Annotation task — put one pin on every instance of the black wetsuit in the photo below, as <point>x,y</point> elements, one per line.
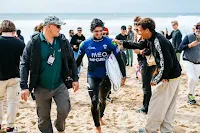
<point>99,84</point>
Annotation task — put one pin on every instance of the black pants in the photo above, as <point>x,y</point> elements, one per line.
<point>147,72</point>
<point>98,90</point>
<point>123,55</point>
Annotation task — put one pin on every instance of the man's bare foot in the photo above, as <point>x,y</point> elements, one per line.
<point>98,129</point>
<point>101,122</point>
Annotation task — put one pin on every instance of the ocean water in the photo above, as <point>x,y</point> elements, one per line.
<point>26,22</point>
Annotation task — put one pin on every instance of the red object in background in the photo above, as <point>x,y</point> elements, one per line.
<point>106,29</point>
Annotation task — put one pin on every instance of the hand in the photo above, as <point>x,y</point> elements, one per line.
<point>165,80</point>
<point>152,84</point>
<point>137,51</point>
<point>193,44</point>
<point>123,81</point>
<point>166,31</point>
<point>117,41</point>
<point>25,94</point>
<point>75,46</point>
<point>75,86</point>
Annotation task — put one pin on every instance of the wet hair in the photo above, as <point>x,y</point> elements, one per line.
<point>136,20</point>
<point>18,32</point>
<point>7,26</point>
<point>147,23</point>
<point>96,23</point>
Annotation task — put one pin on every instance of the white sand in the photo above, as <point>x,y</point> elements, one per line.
<point>120,116</point>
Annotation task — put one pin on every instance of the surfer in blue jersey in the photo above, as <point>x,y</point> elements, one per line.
<point>98,48</point>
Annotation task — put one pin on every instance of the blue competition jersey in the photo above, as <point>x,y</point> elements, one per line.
<point>97,52</point>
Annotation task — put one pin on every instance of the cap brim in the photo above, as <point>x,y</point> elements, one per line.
<point>61,23</point>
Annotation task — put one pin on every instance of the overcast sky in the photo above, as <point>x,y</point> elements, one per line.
<point>100,6</point>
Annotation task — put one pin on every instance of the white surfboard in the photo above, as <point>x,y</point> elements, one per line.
<point>113,71</point>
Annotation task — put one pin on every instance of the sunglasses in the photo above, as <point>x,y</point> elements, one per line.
<point>57,26</point>
<point>105,34</point>
<point>198,27</point>
<point>79,30</point>
<point>96,31</point>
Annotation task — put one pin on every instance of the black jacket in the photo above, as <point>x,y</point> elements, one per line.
<point>31,61</point>
<point>165,56</point>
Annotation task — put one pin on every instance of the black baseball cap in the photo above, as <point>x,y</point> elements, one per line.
<point>123,27</point>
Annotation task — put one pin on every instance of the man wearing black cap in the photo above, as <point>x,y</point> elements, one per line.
<point>122,37</point>
<point>76,41</point>
<point>49,58</point>
<point>191,60</point>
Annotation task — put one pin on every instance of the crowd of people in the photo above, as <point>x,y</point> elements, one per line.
<point>51,64</point>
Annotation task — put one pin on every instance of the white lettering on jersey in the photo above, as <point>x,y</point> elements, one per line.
<point>97,57</point>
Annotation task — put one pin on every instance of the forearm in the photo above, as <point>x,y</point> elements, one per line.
<point>79,60</point>
<point>133,45</point>
<point>121,64</point>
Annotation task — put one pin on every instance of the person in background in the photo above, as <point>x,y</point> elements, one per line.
<point>11,50</point>
<point>18,32</point>
<point>129,52</point>
<point>48,58</point>
<point>40,27</point>
<point>176,37</point>
<point>147,69</point>
<point>123,36</point>
<point>37,29</point>
<point>75,42</point>
<point>191,60</point>
<point>194,28</point>
<point>71,34</point>
<point>105,32</point>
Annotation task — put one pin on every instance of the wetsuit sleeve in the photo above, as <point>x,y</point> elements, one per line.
<point>116,52</point>
<point>169,36</point>
<point>81,54</point>
<point>184,44</point>
<point>134,45</point>
<point>25,66</point>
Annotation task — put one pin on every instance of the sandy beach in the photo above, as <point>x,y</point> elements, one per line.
<point>120,115</point>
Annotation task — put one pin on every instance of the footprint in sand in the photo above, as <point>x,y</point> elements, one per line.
<point>33,123</point>
<point>179,130</point>
<point>18,114</point>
